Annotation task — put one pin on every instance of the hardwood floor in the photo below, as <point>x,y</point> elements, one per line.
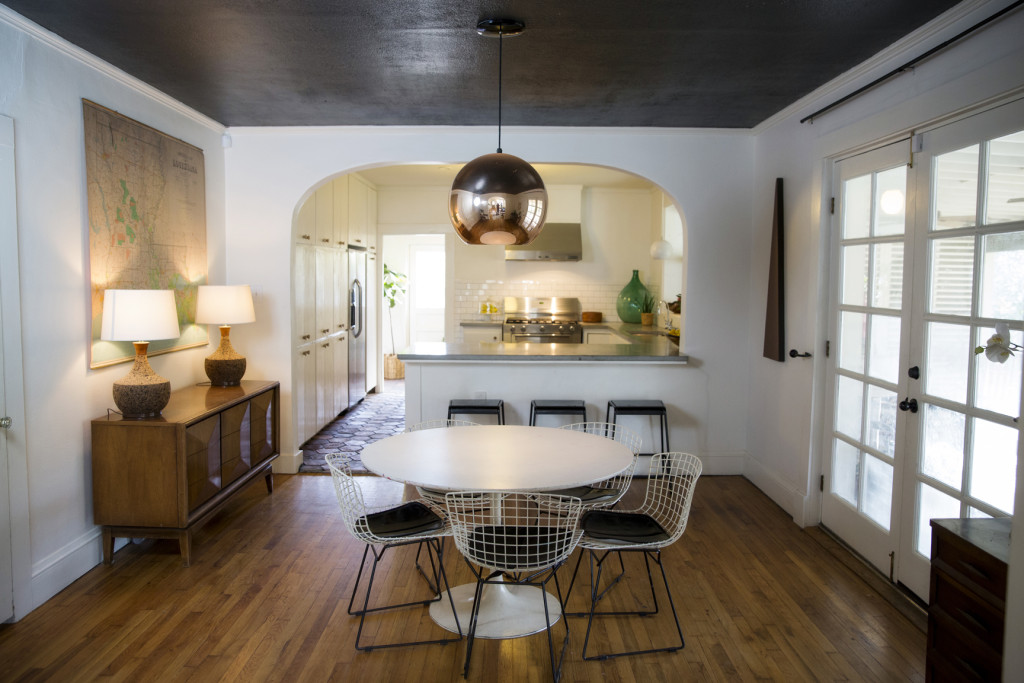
<point>265,600</point>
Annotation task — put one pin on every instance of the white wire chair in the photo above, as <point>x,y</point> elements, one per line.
<point>433,495</point>
<point>510,542</point>
<point>383,527</point>
<point>656,524</point>
<point>606,493</point>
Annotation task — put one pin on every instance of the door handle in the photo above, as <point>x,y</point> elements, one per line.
<point>6,422</point>
<point>909,404</point>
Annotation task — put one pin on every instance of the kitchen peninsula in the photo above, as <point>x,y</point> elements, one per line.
<point>649,367</point>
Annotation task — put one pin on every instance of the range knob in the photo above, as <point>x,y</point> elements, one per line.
<point>540,329</point>
<point>561,328</point>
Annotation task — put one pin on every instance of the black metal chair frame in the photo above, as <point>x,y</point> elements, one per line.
<point>661,412</point>
<point>465,407</point>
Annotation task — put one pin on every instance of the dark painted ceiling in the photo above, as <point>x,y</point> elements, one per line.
<point>714,63</point>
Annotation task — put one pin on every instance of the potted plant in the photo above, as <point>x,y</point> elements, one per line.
<point>394,288</point>
<point>647,305</point>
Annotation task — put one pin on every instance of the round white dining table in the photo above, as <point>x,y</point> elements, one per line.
<point>497,458</point>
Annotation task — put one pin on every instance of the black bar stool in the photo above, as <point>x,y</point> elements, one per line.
<point>477,406</point>
<point>557,407</point>
<point>640,407</point>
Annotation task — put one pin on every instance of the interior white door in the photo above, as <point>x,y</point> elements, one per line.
<point>8,228</point>
<point>970,242</point>
<point>870,304</point>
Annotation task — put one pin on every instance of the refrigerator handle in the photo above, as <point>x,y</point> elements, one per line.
<point>355,308</point>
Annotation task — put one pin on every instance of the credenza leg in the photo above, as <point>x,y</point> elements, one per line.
<point>270,481</point>
<point>108,546</point>
<point>185,545</point>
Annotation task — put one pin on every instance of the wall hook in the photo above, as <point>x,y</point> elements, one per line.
<point>793,353</point>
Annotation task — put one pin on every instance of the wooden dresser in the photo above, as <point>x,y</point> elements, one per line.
<point>967,600</point>
<point>162,477</point>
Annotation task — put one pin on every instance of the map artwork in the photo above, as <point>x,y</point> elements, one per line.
<point>147,223</point>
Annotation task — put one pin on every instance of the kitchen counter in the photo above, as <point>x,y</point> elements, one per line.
<point>639,343</point>
<point>648,349</point>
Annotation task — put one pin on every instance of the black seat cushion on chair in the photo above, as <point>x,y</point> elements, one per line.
<point>522,547</point>
<point>622,527</point>
<point>405,520</point>
<point>587,494</point>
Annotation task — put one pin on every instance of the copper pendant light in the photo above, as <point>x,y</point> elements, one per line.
<point>498,198</point>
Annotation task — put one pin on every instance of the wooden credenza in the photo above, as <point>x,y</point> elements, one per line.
<point>967,600</point>
<point>162,477</point>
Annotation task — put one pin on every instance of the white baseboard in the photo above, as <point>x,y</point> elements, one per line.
<point>785,496</point>
<point>60,569</point>
<point>288,464</point>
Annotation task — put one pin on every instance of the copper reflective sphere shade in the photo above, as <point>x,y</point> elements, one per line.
<point>498,198</point>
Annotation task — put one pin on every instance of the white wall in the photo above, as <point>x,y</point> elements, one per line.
<point>784,437</point>
<point>42,83</point>
<point>271,171</point>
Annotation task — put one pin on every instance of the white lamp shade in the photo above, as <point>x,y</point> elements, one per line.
<point>224,305</point>
<point>139,315</point>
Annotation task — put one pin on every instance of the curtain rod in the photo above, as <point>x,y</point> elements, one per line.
<point>912,62</point>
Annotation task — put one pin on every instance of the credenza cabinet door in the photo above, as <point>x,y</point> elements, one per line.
<point>235,448</point>
<point>263,431</point>
<point>202,460</point>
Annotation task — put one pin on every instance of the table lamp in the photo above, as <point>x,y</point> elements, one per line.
<point>225,305</point>
<point>133,315</point>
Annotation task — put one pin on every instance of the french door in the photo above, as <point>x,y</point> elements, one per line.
<point>928,258</point>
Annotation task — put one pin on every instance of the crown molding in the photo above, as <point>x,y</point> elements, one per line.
<point>50,39</point>
<point>910,46</point>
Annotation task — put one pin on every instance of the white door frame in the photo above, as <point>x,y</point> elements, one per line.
<point>13,380</point>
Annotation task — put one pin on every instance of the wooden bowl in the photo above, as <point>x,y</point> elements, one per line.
<point>591,316</point>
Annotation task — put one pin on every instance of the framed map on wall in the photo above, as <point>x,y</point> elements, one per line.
<point>147,223</point>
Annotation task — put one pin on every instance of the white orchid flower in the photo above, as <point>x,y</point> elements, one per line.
<point>999,347</point>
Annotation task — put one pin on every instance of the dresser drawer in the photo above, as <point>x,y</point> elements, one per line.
<point>951,601</point>
<point>976,569</point>
<point>952,656</point>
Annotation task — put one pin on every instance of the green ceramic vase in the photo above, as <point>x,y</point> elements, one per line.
<point>631,300</point>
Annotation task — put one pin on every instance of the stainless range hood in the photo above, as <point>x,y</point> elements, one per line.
<point>556,242</point>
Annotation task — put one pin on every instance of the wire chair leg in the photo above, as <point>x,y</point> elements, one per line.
<point>473,614</point>
<point>367,610</point>
<point>600,563</point>
<point>668,591</point>
<point>359,576</point>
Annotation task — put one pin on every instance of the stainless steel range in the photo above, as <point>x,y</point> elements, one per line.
<point>543,320</point>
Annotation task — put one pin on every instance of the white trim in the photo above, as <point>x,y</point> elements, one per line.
<point>14,385</point>
<point>794,502</point>
<point>54,41</point>
<point>288,464</point>
<point>66,565</point>
<point>943,27</point>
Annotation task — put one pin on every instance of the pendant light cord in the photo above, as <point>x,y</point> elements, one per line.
<point>499,89</point>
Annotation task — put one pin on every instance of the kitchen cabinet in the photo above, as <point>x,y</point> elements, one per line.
<point>324,292</point>
<point>372,306</point>
<point>339,344</point>
<point>340,188</point>
<point>304,392</point>
<point>340,285</point>
<point>305,223</point>
<point>474,334</point>
<point>358,216</point>
<point>162,477</point>
<point>325,378</point>
<point>304,308</point>
<point>323,200</point>
<point>967,599</point>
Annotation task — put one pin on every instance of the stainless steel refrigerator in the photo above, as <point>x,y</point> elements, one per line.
<point>356,326</point>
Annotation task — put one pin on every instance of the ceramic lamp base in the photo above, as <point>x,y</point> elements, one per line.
<point>141,393</point>
<point>225,366</point>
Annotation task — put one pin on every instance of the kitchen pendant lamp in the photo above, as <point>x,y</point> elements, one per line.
<point>498,198</point>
